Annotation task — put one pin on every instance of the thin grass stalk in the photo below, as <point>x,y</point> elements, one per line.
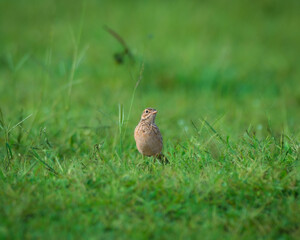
<point>121,123</point>
<point>133,95</point>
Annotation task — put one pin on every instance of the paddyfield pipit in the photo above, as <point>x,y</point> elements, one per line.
<point>147,136</point>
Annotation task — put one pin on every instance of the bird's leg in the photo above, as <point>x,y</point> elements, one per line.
<point>163,159</point>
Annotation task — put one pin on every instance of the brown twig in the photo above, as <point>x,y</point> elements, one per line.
<point>121,41</point>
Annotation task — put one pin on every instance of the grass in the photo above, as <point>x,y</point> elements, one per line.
<point>225,80</point>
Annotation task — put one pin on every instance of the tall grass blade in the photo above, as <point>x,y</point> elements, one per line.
<point>19,123</point>
<point>213,130</point>
<point>48,167</point>
<point>133,95</point>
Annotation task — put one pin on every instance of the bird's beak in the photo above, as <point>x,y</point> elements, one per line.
<point>154,112</point>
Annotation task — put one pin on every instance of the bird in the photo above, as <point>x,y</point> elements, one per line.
<point>148,138</point>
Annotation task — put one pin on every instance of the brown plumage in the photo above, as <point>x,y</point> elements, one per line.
<point>147,136</point>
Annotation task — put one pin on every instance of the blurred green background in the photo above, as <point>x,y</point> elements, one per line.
<point>233,63</point>
<point>236,60</point>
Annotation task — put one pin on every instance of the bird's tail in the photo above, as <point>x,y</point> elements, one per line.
<point>163,159</point>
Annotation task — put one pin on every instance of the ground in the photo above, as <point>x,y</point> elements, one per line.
<point>224,77</point>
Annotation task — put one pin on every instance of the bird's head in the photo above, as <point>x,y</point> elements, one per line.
<point>149,115</point>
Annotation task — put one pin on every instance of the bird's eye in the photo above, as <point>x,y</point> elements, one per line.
<point>146,111</point>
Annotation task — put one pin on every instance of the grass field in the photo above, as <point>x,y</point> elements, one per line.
<point>224,76</point>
